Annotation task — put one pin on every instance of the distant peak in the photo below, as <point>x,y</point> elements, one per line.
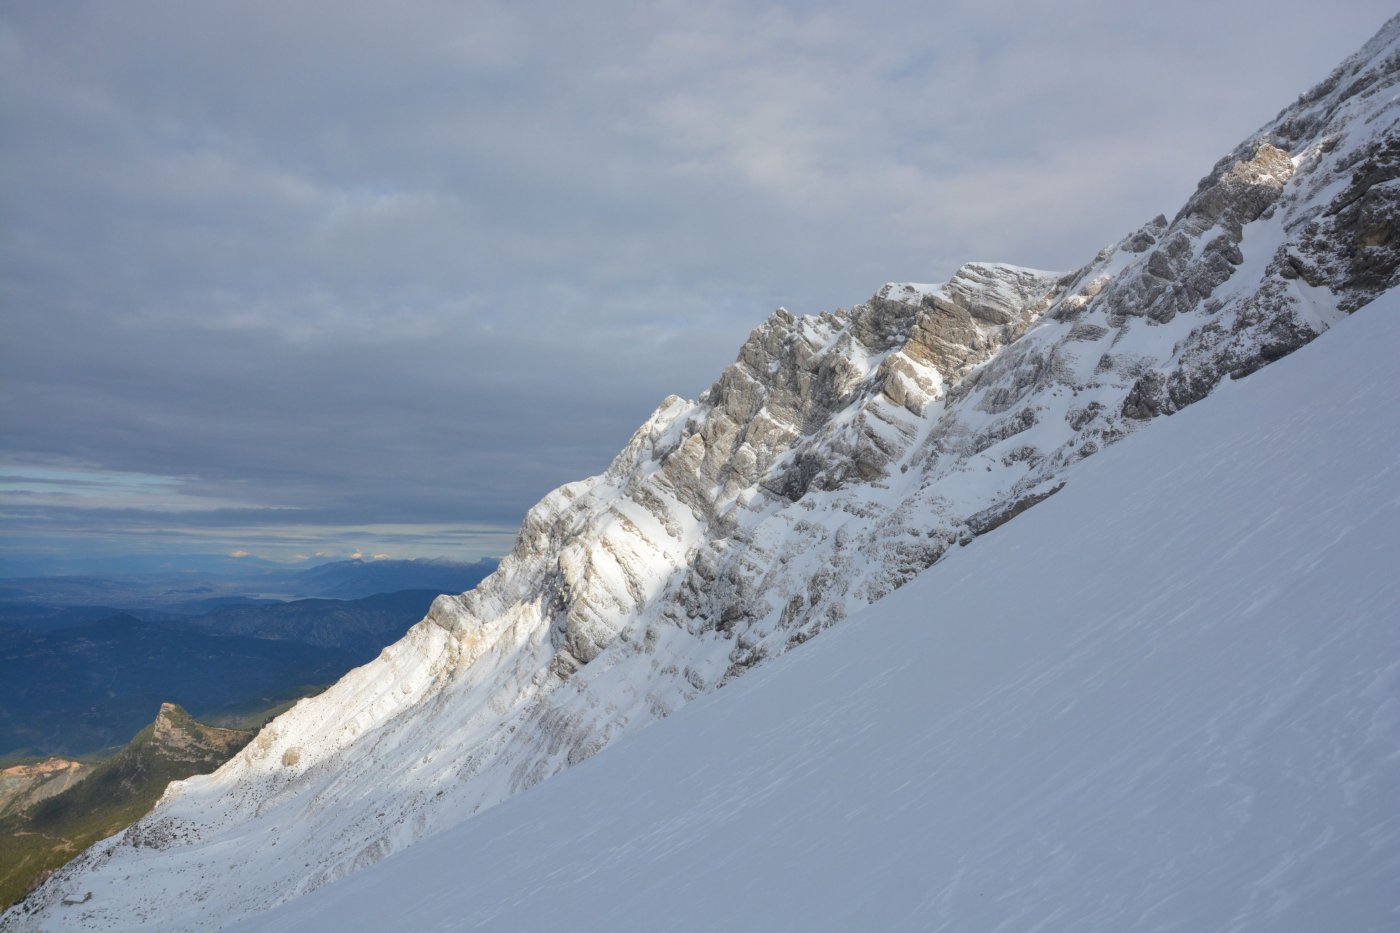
<point>181,734</point>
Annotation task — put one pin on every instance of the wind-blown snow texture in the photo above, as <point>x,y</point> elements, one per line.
<point>838,459</point>
<point>1167,698</point>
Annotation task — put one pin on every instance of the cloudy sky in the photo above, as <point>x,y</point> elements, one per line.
<point>315,278</point>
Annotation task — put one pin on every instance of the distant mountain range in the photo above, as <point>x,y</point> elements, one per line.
<point>192,592</point>
<point>135,564</point>
<point>353,579</point>
<point>83,659</point>
<point>81,689</point>
<point>219,566</point>
<point>76,688</point>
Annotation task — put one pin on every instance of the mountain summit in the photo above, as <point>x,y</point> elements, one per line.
<point>839,458</point>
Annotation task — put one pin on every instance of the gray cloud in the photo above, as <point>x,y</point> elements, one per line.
<point>416,266</point>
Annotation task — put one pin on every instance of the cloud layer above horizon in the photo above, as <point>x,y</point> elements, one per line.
<point>289,278</point>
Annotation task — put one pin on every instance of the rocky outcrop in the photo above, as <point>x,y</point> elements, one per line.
<point>837,458</point>
<point>24,785</point>
<point>179,736</point>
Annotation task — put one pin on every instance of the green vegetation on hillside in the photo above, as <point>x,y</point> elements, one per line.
<point>38,841</point>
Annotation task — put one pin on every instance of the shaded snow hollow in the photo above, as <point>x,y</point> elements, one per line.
<point>1167,697</point>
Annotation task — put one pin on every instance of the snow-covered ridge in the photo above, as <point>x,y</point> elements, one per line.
<point>839,457</point>
<point>1195,731</point>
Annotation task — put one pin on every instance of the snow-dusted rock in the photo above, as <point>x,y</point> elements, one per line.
<point>1175,711</point>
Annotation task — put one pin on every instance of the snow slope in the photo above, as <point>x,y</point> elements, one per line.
<point>1166,698</point>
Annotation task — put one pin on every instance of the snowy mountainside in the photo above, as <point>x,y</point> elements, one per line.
<point>1184,716</point>
<point>836,460</point>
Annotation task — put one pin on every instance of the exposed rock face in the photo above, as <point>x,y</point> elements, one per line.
<point>24,785</point>
<point>836,459</point>
<point>180,736</point>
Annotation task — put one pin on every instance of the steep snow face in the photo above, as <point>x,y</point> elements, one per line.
<point>1183,715</point>
<point>837,459</point>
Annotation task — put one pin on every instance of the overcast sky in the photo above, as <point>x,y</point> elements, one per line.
<point>321,278</point>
